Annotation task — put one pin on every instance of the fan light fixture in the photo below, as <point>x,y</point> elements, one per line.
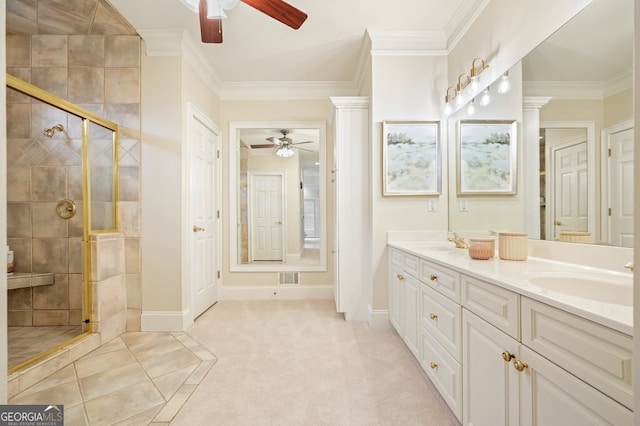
<point>284,151</point>
<point>215,8</point>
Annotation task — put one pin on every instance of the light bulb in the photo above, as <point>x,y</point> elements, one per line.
<point>447,109</point>
<point>471,109</point>
<point>474,84</point>
<point>485,99</point>
<point>459,101</point>
<point>504,86</point>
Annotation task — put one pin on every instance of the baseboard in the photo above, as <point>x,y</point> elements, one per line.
<point>379,319</point>
<point>282,292</point>
<point>165,320</point>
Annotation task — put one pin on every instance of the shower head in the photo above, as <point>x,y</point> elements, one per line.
<point>51,131</point>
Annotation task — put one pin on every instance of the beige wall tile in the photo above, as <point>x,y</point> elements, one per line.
<point>19,220</point>
<point>86,85</point>
<point>50,255</point>
<point>20,318</point>
<point>122,51</point>
<point>134,296</point>
<point>13,96</point>
<point>132,255</point>
<point>86,50</point>
<point>75,317</point>
<point>45,116</point>
<point>129,218</point>
<point>18,51</point>
<point>76,222</point>
<point>51,317</point>
<point>22,253</point>
<point>126,115</point>
<point>49,51</point>
<point>113,327</point>
<point>53,80</point>
<point>75,256</point>
<point>46,222</point>
<point>74,184</point>
<point>18,121</point>
<point>76,286</point>
<point>18,184</point>
<point>134,317</point>
<point>129,152</point>
<point>129,184</point>
<point>122,85</point>
<point>109,258</point>
<point>54,296</point>
<point>113,297</point>
<point>48,183</point>
<point>19,299</point>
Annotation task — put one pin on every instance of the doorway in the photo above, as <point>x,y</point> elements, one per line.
<point>266,221</point>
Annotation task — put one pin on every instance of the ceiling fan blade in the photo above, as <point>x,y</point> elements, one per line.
<point>298,143</point>
<point>263,145</point>
<point>279,10</point>
<point>210,29</point>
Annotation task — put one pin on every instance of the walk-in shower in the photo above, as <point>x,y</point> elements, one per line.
<point>61,189</point>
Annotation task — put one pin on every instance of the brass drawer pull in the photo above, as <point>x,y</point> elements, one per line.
<point>433,365</point>
<point>433,277</point>
<point>507,356</point>
<point>519,365</point>
<point>400,277</point>
<point>433,316</point>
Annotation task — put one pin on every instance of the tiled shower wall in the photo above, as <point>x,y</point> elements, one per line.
<point>100,73</point>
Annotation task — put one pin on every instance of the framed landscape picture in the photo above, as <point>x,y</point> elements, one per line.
<point>486,157</point>
<point>411,157</point>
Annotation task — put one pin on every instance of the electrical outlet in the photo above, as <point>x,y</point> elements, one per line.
<point>432,205</point>
<point>463,205</point>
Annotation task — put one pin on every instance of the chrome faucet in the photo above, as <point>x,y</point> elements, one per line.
<point>458,241</point>
<point>629,266</point>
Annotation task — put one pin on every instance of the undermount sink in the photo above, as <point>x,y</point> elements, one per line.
<point>600,287</point>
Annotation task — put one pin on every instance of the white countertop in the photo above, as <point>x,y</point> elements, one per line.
<point>513,275</point>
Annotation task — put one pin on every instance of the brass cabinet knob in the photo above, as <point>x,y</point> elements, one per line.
<point>507,356</point>
<point>433,316</point>
<point>557,223</point>
<point>400,277</point>
<point>433,277</point>
<point>279,222</point>
<point>197,228</point>
<point>519,365</point>
<point>433,365</point>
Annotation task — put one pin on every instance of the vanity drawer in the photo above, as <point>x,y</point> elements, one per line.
<point>596,354</point>
<point>396,256</point>
<point>411,264</point>
<point>444,372</point>
<point>441,279</point>
<point>442,318</point>
<point>498,306</point>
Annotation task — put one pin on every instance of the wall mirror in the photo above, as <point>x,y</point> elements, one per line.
<point>278,196</point>
<point>582,75</point>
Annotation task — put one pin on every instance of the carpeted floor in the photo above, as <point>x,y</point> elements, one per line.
<point>300,363</point>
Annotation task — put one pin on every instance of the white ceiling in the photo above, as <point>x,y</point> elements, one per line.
<point>326,48</point>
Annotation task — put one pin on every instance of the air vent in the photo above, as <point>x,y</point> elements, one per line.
<point>288,278</point>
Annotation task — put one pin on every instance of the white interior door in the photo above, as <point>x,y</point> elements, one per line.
<point>570,182</point>
<point>204,227</point>
<point>266,217</point>
<point>621,188</point>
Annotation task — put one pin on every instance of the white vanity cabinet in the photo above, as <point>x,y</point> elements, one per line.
<point>403,297</point>
<point>506,382</point>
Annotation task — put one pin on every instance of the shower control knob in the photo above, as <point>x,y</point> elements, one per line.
<point>66,209</point>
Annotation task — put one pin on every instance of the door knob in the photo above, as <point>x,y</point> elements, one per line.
<point>279,222</point>
<point>197,228</point>
<point>557,223</point>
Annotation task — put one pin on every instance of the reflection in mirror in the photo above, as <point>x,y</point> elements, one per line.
<point>278,182</point>
<point>581,80</point>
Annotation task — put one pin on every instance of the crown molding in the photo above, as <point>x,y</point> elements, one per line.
<point>462,19</point>
<point>579,89</point>
<point>619,83</point>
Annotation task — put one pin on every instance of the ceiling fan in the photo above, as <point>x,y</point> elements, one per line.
<point>212,12</point>
<point>284,144</point>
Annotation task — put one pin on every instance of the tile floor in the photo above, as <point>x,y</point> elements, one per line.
<point>26,342</point>
<point>136,379</point>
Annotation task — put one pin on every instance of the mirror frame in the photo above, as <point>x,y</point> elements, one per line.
<point>234,159</point>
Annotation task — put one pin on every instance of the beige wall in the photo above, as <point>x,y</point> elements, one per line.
<point>403,88</point>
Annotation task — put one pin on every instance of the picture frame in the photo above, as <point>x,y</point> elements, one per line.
<point>486,152</point>
<point>411,158</point>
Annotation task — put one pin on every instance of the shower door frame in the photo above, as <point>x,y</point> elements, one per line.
<point>87,117</point>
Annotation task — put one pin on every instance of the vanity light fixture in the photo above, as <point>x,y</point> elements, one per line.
<point>504,85</point>
<point>447,100</point>
<point>478,65</point>
<point>460,86</point>
<point>485,99</point>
